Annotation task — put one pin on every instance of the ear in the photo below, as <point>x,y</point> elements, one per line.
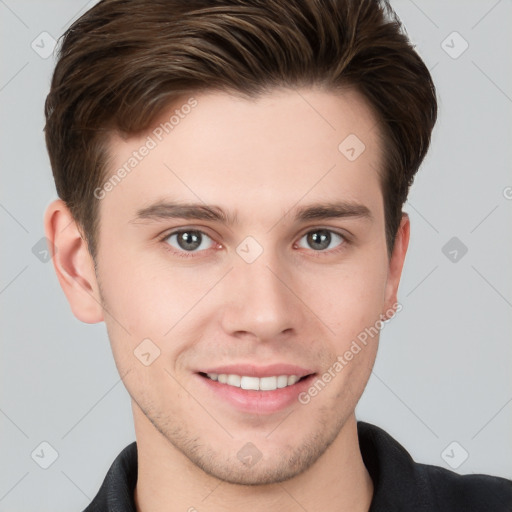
<point>73,263</point>
<point>396,262</point>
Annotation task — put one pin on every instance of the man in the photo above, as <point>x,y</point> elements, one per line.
<point>231,179</point>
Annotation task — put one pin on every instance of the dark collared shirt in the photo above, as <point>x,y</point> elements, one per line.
<point>400,484</point>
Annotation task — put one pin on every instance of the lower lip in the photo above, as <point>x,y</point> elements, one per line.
<point>258,402</point>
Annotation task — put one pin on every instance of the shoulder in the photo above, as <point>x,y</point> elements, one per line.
<point>402,484</point>
<point>475,493</point>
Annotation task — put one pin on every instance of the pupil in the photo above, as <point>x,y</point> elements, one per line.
<point>189,240</point>
<point>321,239</point>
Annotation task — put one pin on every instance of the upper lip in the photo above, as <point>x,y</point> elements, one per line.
<point>251,370</point>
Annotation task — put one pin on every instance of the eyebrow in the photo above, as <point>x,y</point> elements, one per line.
<point>163,210</point>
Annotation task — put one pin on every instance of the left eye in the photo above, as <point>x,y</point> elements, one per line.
<point>321,239</point>
<point>189,240</point>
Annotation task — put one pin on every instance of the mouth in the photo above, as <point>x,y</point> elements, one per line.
<point>270,383</point>
<point>253,391</point>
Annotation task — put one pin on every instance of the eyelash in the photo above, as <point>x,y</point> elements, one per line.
<point>191,254</point>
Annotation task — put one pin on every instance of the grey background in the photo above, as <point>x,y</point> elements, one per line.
<point>443,369</point>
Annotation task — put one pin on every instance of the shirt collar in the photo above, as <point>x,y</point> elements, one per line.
<point>399,482</point>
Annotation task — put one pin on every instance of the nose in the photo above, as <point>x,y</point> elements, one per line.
<point>261,301</point>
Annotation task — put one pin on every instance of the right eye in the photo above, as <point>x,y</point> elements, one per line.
<point>189,240</point>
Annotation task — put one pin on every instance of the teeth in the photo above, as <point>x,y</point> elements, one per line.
<point>268,383</point>
<point>282,381</point>
<point>255,383</point>
<point>250,383</point>
<point>292,379</point>
<point>234,380</point>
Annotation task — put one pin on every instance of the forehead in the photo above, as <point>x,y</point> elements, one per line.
<point>282,148</point>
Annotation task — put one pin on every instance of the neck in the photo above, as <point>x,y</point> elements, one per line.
<point>168,481</point>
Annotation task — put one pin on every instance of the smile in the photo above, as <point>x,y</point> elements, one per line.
<point>255,383</point>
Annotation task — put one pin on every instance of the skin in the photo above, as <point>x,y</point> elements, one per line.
<point>261,160</point>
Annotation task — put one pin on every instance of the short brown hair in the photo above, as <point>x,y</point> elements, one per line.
<point>124,61</point>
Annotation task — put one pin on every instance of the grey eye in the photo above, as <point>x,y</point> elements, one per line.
<point>321,239</point>
<point>189,240</point>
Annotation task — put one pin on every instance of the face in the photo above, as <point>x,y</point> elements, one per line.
<point>246,249</point>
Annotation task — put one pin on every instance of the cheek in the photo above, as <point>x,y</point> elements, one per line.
<point>352,307</point>
<point>147,296</point>
<point>351,298</point>
<point>149,300</point>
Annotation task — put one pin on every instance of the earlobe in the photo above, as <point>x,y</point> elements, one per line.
<point>396,263</point>
<point>73,263</point>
